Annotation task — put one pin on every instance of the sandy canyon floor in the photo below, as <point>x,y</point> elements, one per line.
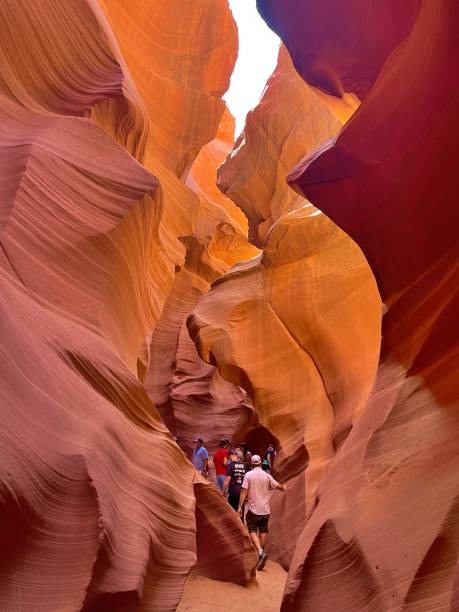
<point>263,593</point>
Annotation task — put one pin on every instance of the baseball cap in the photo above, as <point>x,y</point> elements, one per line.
<point>198,440</point>
<point>256,459</point>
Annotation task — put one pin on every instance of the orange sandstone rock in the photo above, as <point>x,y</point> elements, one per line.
<point>271,143</point>
<point>384,535</point>
<point>100,508</point>
<point>298,327</point>
<point>181,67</point>
<point>191,396</point>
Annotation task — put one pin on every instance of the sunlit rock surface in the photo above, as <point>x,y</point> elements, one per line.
<point>384,535</point>
<point>100,509</point>
<point>298,327</point>
<point>192,397</point>
<point>254,174</point>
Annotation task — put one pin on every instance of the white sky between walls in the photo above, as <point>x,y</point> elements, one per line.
<point>257,57</point>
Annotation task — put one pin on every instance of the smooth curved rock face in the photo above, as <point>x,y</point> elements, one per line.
<point>264,328</point>
<point>100,508</point>
<point>177,63</point>
<point>340,47</point>
<point>219,226</point>
<point>384,535</point>
<point>181,67</point>
<point>191,396</point>
<point>382,528</point>
<point>298,327</point>
<point>254,174</point>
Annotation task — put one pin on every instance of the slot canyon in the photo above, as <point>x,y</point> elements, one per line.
<point>165,277</point>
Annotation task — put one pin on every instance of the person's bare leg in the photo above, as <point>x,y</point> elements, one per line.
<point>263,537</point>
<point>262,556</point>
<point>255,541</point>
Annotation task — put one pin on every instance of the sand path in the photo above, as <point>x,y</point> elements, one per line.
<point>263,594</point>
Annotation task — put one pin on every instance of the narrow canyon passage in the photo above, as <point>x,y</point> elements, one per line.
<point>170,272</point>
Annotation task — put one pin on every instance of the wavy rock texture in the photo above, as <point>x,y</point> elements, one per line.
<point>112,231</point>
<point>100,509</point>
<point>192,397</point>
<point>298,327</point>
<point>181,68</point>
<point>384,535</point>
<point>382,530</point>
<point>347,43</point>
<point>255,179</point>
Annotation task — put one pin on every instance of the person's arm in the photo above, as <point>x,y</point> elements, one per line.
<point>206,461</point>
<point>242,501</point>
<point>244,491</point>
<point>229,474</point>
<point>273,484</point>
<point>226,485</point>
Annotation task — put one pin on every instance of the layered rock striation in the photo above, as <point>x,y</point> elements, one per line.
<point>382,517</point>
<point>191,396</point>
<point>101,510</point>
<point>389,181</point>
<point>298,327</point>
<point>126,276</point>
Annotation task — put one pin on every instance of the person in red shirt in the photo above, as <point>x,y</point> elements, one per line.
<point>220,461</point>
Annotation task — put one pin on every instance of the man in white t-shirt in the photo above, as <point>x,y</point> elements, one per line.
<point>255,487</point>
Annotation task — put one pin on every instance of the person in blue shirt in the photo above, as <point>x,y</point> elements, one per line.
<point>200,458</point>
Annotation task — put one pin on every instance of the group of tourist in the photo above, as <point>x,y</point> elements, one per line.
<point>245,479</point>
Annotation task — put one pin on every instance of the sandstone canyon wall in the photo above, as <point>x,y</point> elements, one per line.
<point>331,332</point>
<point>370,453</point>
<point>103,112</point>
<point>191,396</point>
<point>299,326</point>
<point>393,168</point>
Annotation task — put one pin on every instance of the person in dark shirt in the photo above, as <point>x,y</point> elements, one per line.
<point>235,472</point>
<point>247,455</point>
<point>268,459</point>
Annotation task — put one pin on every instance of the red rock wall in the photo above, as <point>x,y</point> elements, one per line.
<point>100,509</point>
<point>382,521</point>
<point>298,327</point>
<point>112,231</point>
<point>384,535</point>
<point>340,47</point>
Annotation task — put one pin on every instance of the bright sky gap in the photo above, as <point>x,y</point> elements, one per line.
<point>258,49</point>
